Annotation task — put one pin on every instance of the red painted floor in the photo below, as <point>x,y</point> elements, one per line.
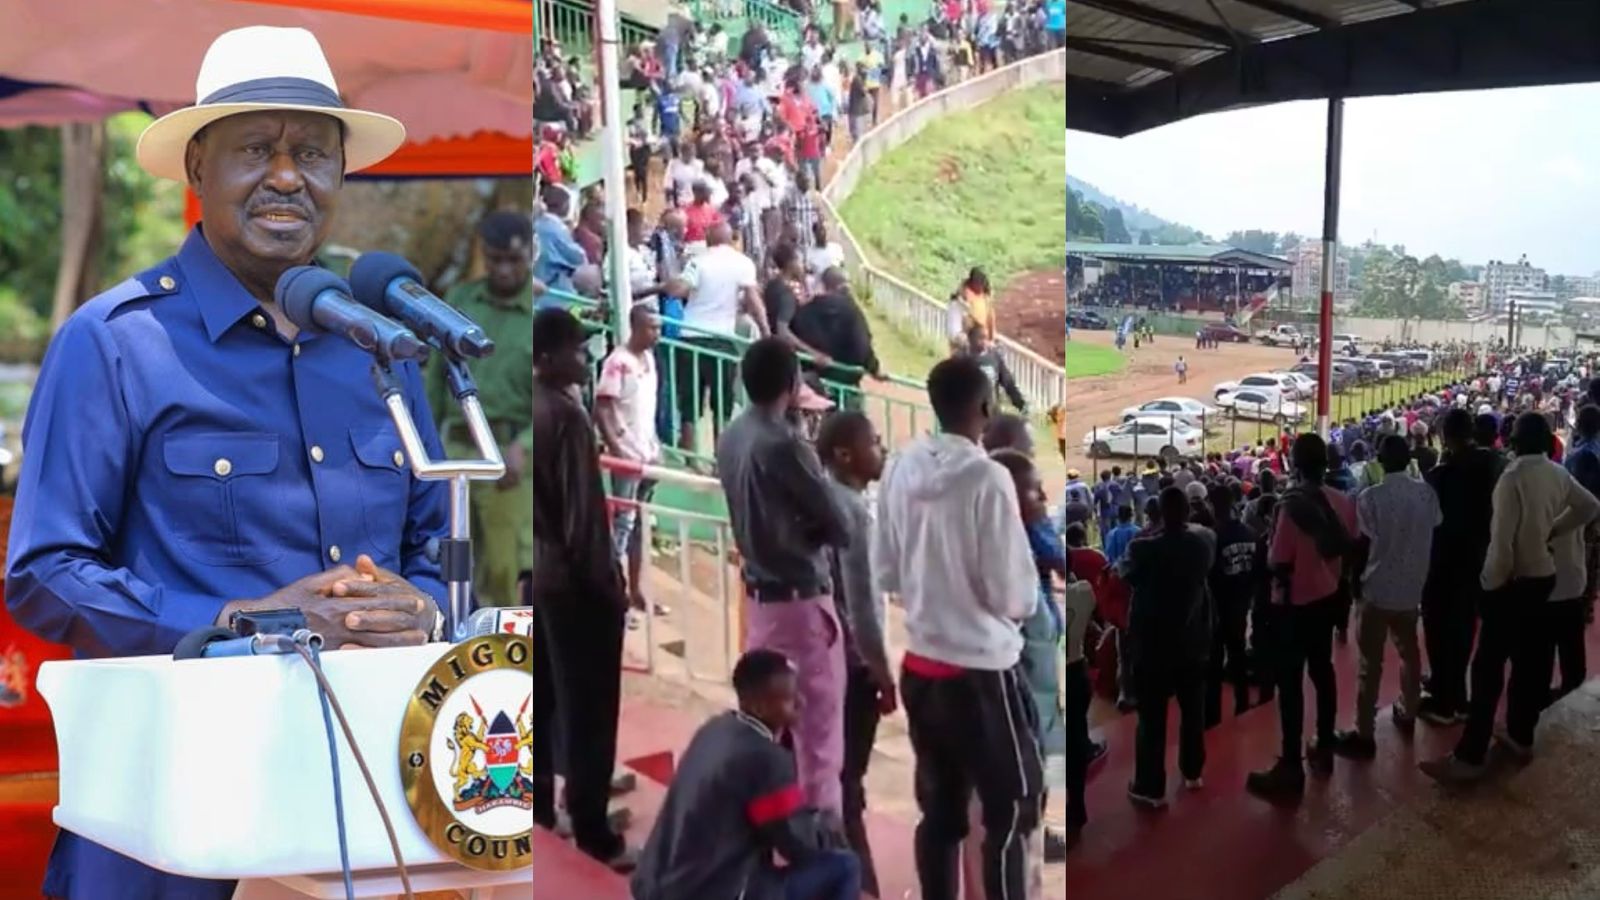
<point>561,873</point>
<point>1221,843</point>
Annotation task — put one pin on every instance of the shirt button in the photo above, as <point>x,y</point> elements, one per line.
<point>258,320</point>
<point>222,467</point>
<point>316,453</point>
<point>296,350</point>
<point>333,553</point>
<point>399,459</point>
<point>168,283</point>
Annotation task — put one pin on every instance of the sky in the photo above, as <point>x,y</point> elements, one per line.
<point>1475,175</point>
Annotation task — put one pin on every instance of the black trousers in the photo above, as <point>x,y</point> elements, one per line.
<point>1159,683</point>
<point>1565,622</point>
<point>976,731</point>
<point>1449,620</point>
<point>577,691</point>
<point>1510,633</point>
<point>1302,639</point>
<point>1077,694</point>
<point>861,719</point>
<point>1228,660</point>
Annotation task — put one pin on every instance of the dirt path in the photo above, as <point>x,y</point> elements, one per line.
<point>1032,311</point>
<point>1099,401</point>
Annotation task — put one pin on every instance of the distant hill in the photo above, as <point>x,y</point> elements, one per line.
<point>1137,219</point>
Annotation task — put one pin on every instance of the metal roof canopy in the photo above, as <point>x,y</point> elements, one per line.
<point>1133,65</point>
<point>1182,255</point>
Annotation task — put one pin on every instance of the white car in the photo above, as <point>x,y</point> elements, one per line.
<point>1145,438</point>
<point>1308,385</point>
<point>1182,409</point>
<point>1277,382</point>
<point>1262,405</point>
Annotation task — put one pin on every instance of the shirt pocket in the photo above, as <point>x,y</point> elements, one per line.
<point>385,486</point>
<point>224,489</point>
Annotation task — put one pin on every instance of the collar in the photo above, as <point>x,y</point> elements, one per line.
<point>755,723</point>
<point>222,299</point>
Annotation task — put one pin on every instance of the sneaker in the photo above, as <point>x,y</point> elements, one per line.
<point>1057,842</point>
<point>623,782</point>
<point>1520,753</point>
<point>1193,784</point>
<point>1126,705</point>
<point>1148,801</point>
<point>1319,759</point>
<point>1452,770</point>
<point>1286,780</point>
<point>1354,745</point>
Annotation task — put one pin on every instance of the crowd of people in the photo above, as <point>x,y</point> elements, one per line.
<point>1170,287</point>
<point>1470,509</point>
<point>740,313</point>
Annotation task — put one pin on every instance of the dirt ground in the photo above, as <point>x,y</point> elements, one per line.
<point>1032,311</point>
<point>1098,401</point>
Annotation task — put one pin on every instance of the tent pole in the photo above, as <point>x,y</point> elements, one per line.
<point>1330,249</point>
<point>612,137</point>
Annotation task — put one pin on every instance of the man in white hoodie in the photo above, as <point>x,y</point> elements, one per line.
<point>951,543</point>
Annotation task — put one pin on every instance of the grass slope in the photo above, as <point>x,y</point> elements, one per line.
<point>984,187</point>
<point>1089,360</point>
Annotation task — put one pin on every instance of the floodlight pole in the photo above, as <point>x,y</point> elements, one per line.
<point>612,137</point>
<point>1330,250</point>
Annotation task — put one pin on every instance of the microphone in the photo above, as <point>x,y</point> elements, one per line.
<point>217,642</point>
<point>388,284</point>
<point>318,300</point>
<point>497,620</point>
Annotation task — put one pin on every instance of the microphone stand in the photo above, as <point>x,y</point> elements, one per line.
<point>455,551</point>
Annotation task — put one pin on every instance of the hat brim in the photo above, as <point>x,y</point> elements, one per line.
<point>369,139</point>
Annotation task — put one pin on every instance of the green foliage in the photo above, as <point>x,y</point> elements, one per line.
<point>143,217</point>
<point>1396,284</point>
<point>982,187</point>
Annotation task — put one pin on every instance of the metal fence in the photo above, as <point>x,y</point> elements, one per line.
<point>572,23</point>
<point>704,365</point>
<point>1041,381</point>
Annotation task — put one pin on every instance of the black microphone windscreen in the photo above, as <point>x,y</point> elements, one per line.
<point>297,293</point>
<point>372,274</point>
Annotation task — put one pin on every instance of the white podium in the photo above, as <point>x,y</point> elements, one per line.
<point>218,768</point>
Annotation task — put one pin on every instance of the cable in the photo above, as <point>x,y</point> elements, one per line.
<point>361,762</point>
<point>338,789</point>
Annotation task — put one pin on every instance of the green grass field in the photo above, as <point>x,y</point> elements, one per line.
<point>1089,360</point>
<point>984,187</point>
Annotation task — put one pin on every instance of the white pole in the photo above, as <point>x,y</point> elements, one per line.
<point>612,137</point>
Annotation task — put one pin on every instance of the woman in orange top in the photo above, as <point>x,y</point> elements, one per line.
<point>980,303</point>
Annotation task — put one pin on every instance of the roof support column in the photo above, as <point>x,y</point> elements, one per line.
<point>1330,250</point>
<point>612,136</point>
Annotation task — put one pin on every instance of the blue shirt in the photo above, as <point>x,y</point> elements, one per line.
<point>560,255</point>
<point>669,113</point>
<point>179,454</point>
<point>822,98</point>
<point>1116,542</point>
<point>1055,15</point>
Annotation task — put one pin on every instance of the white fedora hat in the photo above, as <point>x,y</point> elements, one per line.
<point>265,68</point>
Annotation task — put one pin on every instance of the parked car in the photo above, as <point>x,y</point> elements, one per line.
<point>1153,437</point>
<point>1087,320</point>
<point>1262,406</point>
<point>1367,369</point>
<point>1182,409</point>
<point>1308,385</point>
<point>1224,333</point>
<point>1378,369</point>
<point>1344,375</point>
<point>1281,336</point>
<point>1278,382</point>
<point>1403,363</point>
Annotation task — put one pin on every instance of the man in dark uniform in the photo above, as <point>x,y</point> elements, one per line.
<point>502,304</point>
<point>187,446</point>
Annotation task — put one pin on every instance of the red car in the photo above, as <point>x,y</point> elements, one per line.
<point>1223,333</point>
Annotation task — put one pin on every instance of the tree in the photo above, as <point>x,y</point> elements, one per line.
<point>1254,240</point>
<point>1116,231</point>
<point>1084,219</point>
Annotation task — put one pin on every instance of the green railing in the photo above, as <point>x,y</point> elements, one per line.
<point>572,23</point>
<point>711,362</point>
<point>783,25</point>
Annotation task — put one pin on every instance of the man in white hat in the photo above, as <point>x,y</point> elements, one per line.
<point>189,454</point>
